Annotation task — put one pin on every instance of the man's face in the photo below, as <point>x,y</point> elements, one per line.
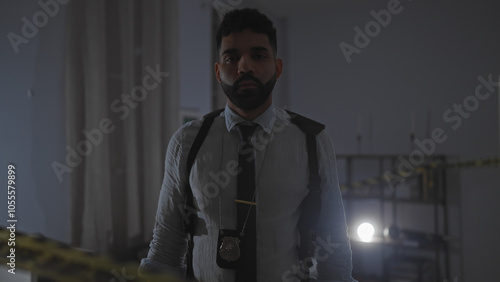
<point>247,69</point>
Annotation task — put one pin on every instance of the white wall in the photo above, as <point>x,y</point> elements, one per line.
<point>33,129</point>
<point>480,208</point>
<point>426,59</point>
<point>196,69</point>
<point>416,64</point>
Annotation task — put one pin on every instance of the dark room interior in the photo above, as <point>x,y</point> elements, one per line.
<point>93,90</point>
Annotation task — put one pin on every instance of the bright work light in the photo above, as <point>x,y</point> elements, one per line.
<point>365,232</point>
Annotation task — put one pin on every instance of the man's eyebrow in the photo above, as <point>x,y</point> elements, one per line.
<point>259,48</point>
<point>230,51</point>
<point>254,49</point>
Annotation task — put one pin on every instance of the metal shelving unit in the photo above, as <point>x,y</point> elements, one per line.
<point>425,188</point>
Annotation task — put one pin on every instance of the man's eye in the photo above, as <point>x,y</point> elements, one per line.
<point>260,56</point>
<point>230,59</point>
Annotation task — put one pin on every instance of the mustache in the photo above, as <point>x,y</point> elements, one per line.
<point>246,77</point>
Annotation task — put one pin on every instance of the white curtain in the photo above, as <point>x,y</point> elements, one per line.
<point>122,108</point>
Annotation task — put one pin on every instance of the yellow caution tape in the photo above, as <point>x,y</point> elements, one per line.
<point>61,262</point>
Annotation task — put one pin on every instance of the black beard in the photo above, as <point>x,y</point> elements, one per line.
<point>249,99</point>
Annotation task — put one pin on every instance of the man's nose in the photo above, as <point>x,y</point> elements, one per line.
<point>245,65</point>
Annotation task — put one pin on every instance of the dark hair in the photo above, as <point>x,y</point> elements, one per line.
<point>241,19</point>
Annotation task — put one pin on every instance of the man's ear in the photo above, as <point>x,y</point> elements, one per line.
<point>217,71</point>
<point>279,66</point>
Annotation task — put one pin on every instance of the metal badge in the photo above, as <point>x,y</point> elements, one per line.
<point>230,248</point>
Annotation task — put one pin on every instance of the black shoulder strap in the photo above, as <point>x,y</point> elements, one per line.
<point>311,128</point>
<point>311,205</point>
<point>307,125</point>
<point>189,222</point>
<point>208,119</point>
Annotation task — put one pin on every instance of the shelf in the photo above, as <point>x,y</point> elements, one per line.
<point>386,156</point>
<point>390,199</point>
<point>398,243</point>
<point>425,187</point>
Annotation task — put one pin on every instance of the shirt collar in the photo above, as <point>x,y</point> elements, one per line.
<point>265,120</point>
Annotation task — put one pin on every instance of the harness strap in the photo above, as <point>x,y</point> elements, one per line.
<point>189,227</point>
<point>311,205</point>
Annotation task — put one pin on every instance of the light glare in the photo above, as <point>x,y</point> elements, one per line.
<point>365,232</point>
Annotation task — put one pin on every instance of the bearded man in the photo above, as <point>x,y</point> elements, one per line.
<point>259,176</point>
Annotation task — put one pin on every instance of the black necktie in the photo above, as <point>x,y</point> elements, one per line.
<point>247,268</point>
